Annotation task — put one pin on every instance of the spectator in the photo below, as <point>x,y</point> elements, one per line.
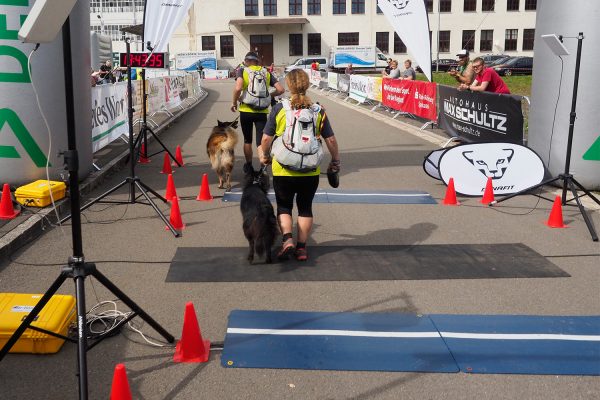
<point>201,70</point>
<point>464,72</point>
<point>409,73</point>
<point>486,79</point>
<point>94,76</point>
<point>387,69</point>
<point>394,71</point>
<point>314,66</point>
<point>289,184</point>
<point>106,73</point>
<point>251,116</point>
<point>349,70</point>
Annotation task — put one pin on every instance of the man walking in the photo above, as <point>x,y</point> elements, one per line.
<point>252,92</point>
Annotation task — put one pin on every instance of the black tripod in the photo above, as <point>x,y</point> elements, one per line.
<point>569,182</point>
<point>77,268</point>
<point>132,180</point>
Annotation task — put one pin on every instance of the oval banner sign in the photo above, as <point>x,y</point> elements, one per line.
<point>512,168</point>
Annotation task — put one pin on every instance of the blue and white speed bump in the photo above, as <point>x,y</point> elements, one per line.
<point>334,341</point>
<point>410,343</point>
<point>353,196</point>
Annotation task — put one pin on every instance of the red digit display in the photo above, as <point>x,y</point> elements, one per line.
<point>144,60</point>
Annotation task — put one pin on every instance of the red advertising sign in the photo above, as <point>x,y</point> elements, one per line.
<point>414,97</point>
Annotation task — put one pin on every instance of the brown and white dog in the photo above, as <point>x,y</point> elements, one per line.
<point>220,148</point>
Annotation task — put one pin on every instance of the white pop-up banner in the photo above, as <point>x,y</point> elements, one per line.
<point>409,20</point>
<point>161,18</point>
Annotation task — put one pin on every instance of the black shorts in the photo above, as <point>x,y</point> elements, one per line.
<point>248,120</point>
<point>303,187</point>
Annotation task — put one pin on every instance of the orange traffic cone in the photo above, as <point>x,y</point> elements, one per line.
<point>191,347</point>
<point>171,191</point>
<point>166,165</point>
<point>204,190</point>
<point>450,199</point>
<point>556,217</point>
<point>6,206</point>
<point>175,217</point>
<point>178,157</point>
<point>143,155</point>
<point>120,386</point>
<point>488,194</point>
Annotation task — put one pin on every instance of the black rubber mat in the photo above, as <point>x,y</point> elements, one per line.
<point>365,263</point>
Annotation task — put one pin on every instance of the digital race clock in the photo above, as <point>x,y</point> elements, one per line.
<point>144,60</point>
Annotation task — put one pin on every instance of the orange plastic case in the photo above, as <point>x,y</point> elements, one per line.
<point>37,194</point>
<point>55,317</point>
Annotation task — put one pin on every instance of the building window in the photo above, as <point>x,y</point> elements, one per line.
<point>295,44</point>
<point>295,7</point>
<point>226,46</point>
<point>530,5</point>
<point>429,6</point>
<point>251,8</point>
<point>468,40</point>
<point>510,39</point>
<point>444,42</point>
<point>445,6</point>
<point>314,7</point>
<point>486,40</point>
<point>208,43</point>
<point>270,7</point>
<point>512,5</point>
<point>348,39</point>
<point>378,9</point>
<point>382,41</point>
<point>399,46</point>
<point>528,37</point>
<point>358,6</point>
<point>339,6</point>
<point>115,32</point>
<point>100,6</point>
<point>470,5</point>
<point>314,44</point>
<point>488,5</point>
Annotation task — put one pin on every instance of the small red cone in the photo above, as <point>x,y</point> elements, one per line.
<point>191,347</point>
<point>450,199</point>
<point>488,194</point>
<point>120,386</point>
<point>178,157</point>
<point>175,217</point>
<point>143,155</point>
<point>204,190</point>
<point>171,191</point>
<point>6,206</point>
<point>166,165</point>
<point>556,217</point>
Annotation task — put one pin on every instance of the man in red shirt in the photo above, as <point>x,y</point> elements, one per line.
<point>486,79</point>
<point>314,66</point>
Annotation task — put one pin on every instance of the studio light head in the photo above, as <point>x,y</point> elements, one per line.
<point>556,45</point>
<point>45,20</point>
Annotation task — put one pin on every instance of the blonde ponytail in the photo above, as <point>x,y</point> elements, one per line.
<point>298,83</point>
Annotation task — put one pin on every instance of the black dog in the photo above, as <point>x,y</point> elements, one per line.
<point>260,225</point>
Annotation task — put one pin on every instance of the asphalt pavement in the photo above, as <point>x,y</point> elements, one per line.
<point>131,247</point>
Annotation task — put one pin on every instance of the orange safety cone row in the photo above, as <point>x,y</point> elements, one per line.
<point>143,155</point>
<point>204,194</point>
<point>488,194</point>
<point>6,206</point>
<point>191,347</point>
<point>166,165</point>
<point>120,386</point>
<point>175,217</point>
<point>171,190</point>
<point>450,198</point>
<point>178,157</point>
<point>556,217</point>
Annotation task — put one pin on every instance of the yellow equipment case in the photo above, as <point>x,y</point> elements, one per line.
<point>55,317</point>
<point>37,194</point>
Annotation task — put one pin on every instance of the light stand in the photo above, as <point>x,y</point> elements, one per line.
<point>569,182</point>
<point>132,180</point>
<point>77,268</point>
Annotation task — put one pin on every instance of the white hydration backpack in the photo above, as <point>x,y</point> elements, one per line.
<point>257,94</point>
<point>299,148</point>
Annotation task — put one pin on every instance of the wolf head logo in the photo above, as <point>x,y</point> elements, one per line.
<point>490,165</point>
<point>399,4</point>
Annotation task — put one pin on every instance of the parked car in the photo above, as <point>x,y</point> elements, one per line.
<point>515,66</point>
<point>306,62</point>
<point>445,65</point>
<point>498,61</point>
<point>491,58</point>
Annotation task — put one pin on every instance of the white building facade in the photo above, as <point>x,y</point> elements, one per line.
<point>284,30</point>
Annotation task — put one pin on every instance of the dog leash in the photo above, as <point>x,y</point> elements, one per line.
<point>234,121</point>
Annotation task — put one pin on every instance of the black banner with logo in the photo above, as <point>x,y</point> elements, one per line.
<point>480,116</point>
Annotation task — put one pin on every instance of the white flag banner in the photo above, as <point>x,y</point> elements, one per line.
<point>409,20</point>
<point>161,18</point>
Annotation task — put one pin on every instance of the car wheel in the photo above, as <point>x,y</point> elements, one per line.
<point>508,72</point>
